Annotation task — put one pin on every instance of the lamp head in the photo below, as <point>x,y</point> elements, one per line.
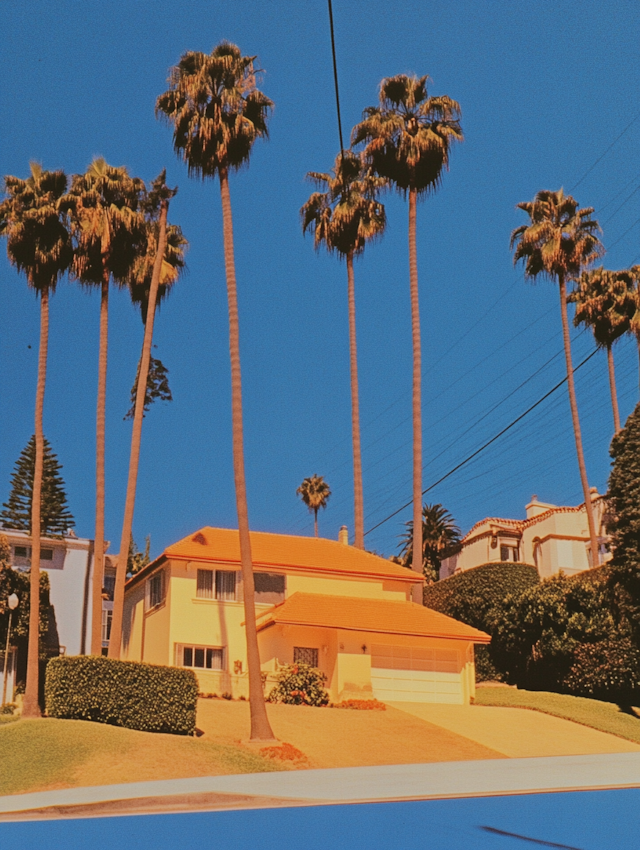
<point>13,601</point>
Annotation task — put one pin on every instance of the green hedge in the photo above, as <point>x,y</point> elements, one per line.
<point>474,597</point>
<point>147,697</point>
<point>607,670</point>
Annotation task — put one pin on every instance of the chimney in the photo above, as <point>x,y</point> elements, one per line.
<point>343,535</point>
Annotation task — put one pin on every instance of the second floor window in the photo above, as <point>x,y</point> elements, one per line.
<point>216,584</point>
<point>155,590</point>
<point>225,585</point>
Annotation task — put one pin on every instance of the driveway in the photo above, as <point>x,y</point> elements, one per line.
<point>518,732</point>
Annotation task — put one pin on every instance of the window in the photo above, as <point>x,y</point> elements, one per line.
<point>269,588</point>
<point>305,655</point>
<point>225,585</point>
<point>22,551</point>
<point>109,587</point>
<point>46,554</point>
<point>509,553</point>
<point>107,616</point>
<point>155,590</point>
<point>204,584</point>
<point>201,657</point>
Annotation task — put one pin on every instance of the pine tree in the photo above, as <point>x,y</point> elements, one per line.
<point>55,516</point>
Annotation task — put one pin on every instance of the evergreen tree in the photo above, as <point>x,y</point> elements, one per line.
<point>55,516</point>
<point>624,497</point>
<point>137,560</point>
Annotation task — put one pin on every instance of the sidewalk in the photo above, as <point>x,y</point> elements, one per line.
<point>336,786</point>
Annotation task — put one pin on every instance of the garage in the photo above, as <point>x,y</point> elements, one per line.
<point>417,674</point>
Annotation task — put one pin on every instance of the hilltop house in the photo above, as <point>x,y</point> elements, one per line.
<point>323,602</point>
<point>551,538</point>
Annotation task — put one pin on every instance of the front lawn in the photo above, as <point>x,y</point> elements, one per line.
<point>605,716</point>
<point>38,755</point>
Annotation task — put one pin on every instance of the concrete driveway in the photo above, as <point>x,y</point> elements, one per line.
<point>518,732</point>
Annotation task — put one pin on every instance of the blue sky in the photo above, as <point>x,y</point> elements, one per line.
<point>549,97</point>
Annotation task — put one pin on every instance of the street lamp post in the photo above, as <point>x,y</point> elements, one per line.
<point>13,603</point>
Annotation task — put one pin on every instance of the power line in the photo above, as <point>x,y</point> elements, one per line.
<point>335,76</point>
<point>602,156</point>
<point>486,445</point>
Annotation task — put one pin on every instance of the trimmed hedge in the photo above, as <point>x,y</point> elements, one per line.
<point>474,597</point>
<point>147,697</point>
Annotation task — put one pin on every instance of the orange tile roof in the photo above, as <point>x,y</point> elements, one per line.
<point>367,615</point>
<point>286,552</point>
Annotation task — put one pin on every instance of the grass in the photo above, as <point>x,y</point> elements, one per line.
<point>38,755</point>
<point>622,721</point>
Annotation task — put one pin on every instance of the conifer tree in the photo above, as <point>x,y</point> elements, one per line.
<point>55,516</point>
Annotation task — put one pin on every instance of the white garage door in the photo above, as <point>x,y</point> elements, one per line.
<point>406,674</point>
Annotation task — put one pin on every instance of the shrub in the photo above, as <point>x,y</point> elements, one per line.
<point>300,684</point>
<point>361,704</point>
<point>475,596</point>
<point>147,697</point>
<point>608,670</point>
<point>535,635</point>
<point>471,596</point>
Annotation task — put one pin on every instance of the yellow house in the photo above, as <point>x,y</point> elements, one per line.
<point>323,602</point>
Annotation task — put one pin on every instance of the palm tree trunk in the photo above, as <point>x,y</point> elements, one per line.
<point>595,558</point>
<point>614,394</point>
<point>260,727</point>
<point>358,507</point>
<point>115,640</point>
<point>315,521</point>
<point>98,554</point>
<point>31,707</point>
<point>417,401</point>
<point>638,342</point>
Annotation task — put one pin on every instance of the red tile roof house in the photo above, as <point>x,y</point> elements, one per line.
<point>338,608</point>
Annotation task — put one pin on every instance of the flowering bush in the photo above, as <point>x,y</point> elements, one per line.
<point>609,670</point>
<point>300,684</point>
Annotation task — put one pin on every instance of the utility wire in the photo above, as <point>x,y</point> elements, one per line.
<point>486,445</point>
<point>602,156</point>
<point>335,76</point>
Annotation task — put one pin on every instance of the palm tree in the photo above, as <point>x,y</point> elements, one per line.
<point>407,140</point>
<point>314,492</point>
<point>217,114</point>
<point>439,535</point>
<point>109,230</point>
<point>605,303</point>
<point>559,242</point>
<point>632,277</point>
<point>344,218</point>
<point>38,244</point>
<point>154,273</point>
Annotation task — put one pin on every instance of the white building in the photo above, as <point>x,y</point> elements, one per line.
<point>552,538</point>
<point>68,562</point>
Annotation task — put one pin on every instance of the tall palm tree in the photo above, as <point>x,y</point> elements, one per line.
<point>439,534</point>
<point>159,266</point>
<point>344,218</point>
<point>314,492</point>
<point>606,304</point>
<point>217,114</point>
<point>407,140</point>
<point>559,241</point>
<point>109,230</point>
<point>39,245</point>
<point>632,277</point>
